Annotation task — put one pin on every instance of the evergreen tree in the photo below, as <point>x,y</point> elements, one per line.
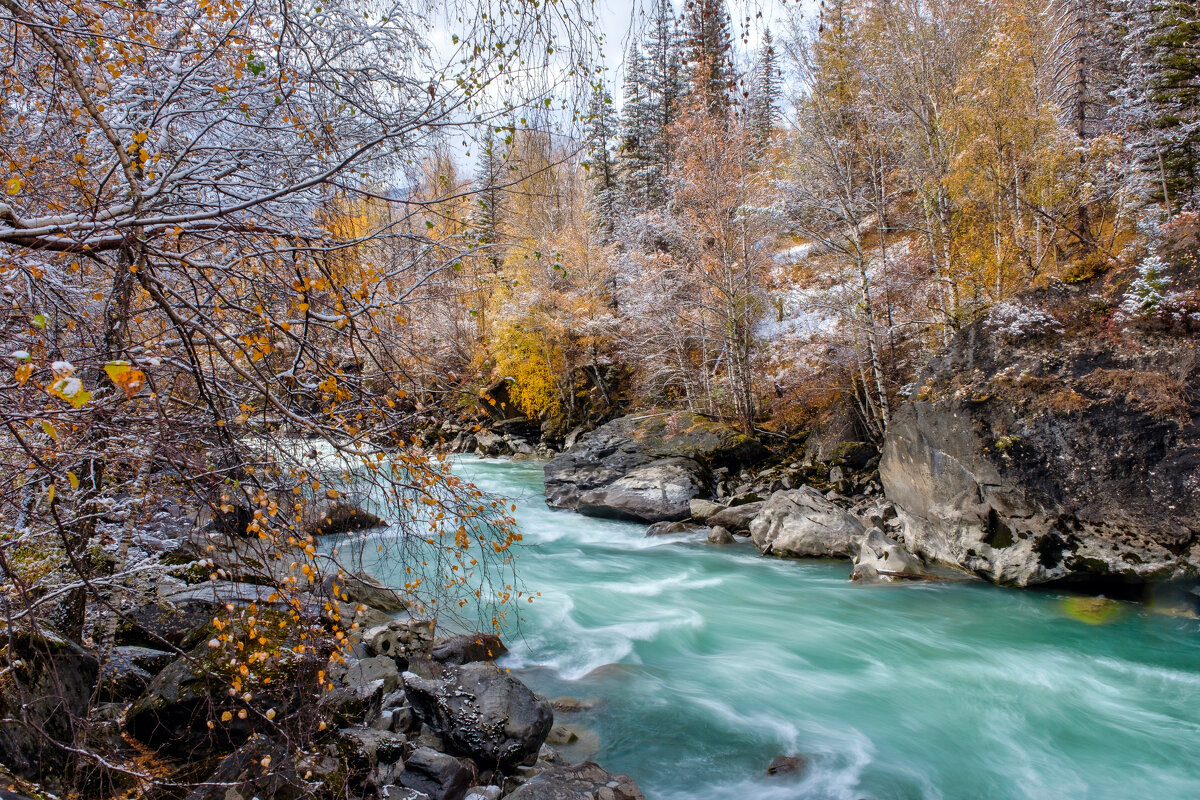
<point>764,104</point>
<point>485,217</point>
<point>1174,85</point>
<point>636,169</point>
<point>707,49</point>
<point>602,169</point>
<point>664,85</point>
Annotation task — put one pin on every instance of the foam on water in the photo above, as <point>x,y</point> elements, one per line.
<point>709,661</point>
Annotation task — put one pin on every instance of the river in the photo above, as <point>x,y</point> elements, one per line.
<point>709,661</point>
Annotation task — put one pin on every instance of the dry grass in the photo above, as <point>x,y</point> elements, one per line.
<point>1155,393</point>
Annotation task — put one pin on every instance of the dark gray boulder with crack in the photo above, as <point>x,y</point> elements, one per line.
<point>645,467</point>
<point>440,776</point>
<point>482,712</point>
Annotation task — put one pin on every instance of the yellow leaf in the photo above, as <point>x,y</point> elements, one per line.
<point>116,370</point>
<point>332,494</point>
<point>23,372</point>
<point>14,185</point>
<point>71,390</point>
<point>50,492</point>
<point>128,380</point>
<point>49,430</point>
<point>74,479</point>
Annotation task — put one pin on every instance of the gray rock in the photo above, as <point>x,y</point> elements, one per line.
<point>701,510</point>
<point>1026,463</point>
<point>787,765</point>
<point>660,490</point>
<point>242,773</point>
<point>51,687</point>
<point>359,587</point>
<point>338,516</point>
<point>121,679</point>
<point>614,450</point>
<point>719,535</point>
<point>482,712</point>
<point>801,523</point>
<point>174,712</point>
<point>369,670</point>
<point>673,528</point>
<point>353,704</point>
<point>881,559</point>
<point>149,659</point>
<point>483,793</point>
<point>401,639</point>
<point>440,776</point>
<point>468,647</point>
<point>585,781</point>
<point>364,749</point>
<point>561,735</point>
<point>736,518</point>
<point>571,705</point>
<point>489,443</point>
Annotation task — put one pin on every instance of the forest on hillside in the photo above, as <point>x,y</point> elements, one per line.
<point>760,233</point>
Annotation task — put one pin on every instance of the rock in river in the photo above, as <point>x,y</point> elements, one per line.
<point>801,523</point>
<point>1029,461</point>
<point>881,559</point>
<point>645,467</point>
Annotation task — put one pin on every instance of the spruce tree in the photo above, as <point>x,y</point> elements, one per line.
<point>602,170</point>
<point>664,87</point>
<point>1174,86</point>
<point>484,220</point>
<point>636,170</point>
<point>764,104</point>
<point>707,49</point>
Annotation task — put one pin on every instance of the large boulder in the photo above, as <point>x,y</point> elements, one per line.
<point>1028,458</point>
<point>440,776</point>
<point>338,516</point>
<point>44,698</point>
<point>182,712</point>
<point>645,467</point>
<point>585,781</point>
<point>658,491</point>
<point>881,559</point>
<point>736,519</point>
<point>802,523</point>
<point>482,712</point>
<point>466,648</point>
<point>359,587</point>
<point>259,768</point>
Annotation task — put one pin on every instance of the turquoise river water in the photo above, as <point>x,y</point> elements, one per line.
<point>708,661</point>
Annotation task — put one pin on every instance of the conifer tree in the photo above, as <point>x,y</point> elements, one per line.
<point>1159,96</point>
<point>602,169</point>
<point>764,103</point>
<point>635,161</point>
<point>664,85</point>
<point>1174,120</point>
<point>707,49</point>
<point>484,221</point>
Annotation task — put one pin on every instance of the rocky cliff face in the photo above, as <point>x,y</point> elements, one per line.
<point>1033,455</point>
